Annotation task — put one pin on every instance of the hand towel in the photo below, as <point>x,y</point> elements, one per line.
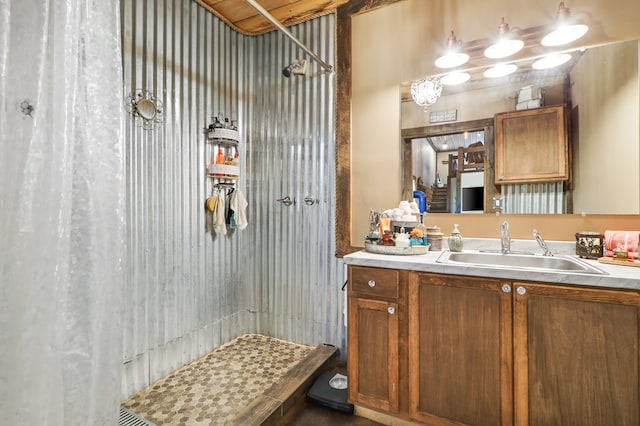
<point>624,239</point>
<point>239,206</point>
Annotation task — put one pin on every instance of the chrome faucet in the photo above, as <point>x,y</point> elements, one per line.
<point>542,243</point>
<point>505,239</point>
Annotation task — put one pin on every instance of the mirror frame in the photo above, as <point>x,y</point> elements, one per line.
<point>343,118</point>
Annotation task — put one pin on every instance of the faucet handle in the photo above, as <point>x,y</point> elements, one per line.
<point>543,245</point>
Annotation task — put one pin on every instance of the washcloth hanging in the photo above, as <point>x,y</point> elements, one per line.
<point>219,224</point>
<point>239,206</point>
<point>210,206</point>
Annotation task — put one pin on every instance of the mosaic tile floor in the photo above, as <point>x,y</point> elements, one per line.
<point>211,389</point>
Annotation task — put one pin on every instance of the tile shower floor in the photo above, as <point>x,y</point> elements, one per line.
<point>212,389</point>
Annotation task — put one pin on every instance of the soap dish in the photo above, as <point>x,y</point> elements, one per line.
<point>402,251</point>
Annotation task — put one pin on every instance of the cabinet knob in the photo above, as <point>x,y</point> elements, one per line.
<point>521,291</point>
<point>372,283</point>
<point>506,288</point>
<point>391,310</point>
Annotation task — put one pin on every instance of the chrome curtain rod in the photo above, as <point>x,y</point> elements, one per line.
<point>286,32</point>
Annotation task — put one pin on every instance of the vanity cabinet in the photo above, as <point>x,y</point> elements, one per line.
<point>484,351</point>
<point>460,350</point>
<point>532,146</point>
<point>374,317</point>
<point>576,353</point>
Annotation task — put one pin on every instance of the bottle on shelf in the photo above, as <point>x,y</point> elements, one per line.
<point>220,159</point>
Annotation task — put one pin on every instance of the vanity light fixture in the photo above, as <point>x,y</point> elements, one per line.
<point>455,77</point>
<point>500,70</point>
<point>566,29</point>
<point>426,91</point>
<point>453,58</point>
<point>551,61</point>
<point>506,45</point>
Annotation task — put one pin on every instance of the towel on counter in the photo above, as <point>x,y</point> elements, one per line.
<point>626,239</point>
<point>239,207</point>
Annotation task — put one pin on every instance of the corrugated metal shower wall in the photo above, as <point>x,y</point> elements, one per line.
<point>188,291</point>
<point>534,198</point>
<point>295,278</point>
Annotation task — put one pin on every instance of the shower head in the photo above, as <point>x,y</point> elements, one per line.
<point>298,67</point>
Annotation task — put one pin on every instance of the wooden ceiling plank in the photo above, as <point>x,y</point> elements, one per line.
<point>289,15</point>
<point>242,17</point>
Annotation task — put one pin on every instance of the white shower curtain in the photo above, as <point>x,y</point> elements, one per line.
<point>62,212</point>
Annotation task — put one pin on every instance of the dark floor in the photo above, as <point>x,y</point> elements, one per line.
<point>306,413</point>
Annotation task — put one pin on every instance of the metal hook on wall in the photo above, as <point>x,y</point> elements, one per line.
<point>27,108</point>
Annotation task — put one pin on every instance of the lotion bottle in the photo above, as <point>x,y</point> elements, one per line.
<point>455,239</point>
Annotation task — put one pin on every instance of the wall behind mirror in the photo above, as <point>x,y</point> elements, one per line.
<point>400,42</point>
<point>599,87</point>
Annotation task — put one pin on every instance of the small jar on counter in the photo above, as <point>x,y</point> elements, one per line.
<point>434,238</point>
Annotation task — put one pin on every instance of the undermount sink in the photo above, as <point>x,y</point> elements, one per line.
<point>520,261</point>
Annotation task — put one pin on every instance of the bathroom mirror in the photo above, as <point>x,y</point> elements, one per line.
<point>600,85</point>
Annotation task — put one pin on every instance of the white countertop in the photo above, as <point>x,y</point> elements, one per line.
<point>615,276</point>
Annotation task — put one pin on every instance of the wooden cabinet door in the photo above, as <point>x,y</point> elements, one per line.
<point>460,350</point>
<point>576,356</point>
<point>531,146</point>
<point>373,353</point>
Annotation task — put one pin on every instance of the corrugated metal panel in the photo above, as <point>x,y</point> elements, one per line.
<point>295,278</point>
<point>188,291</point>
<point>185,292</point>
<point>534,198</point>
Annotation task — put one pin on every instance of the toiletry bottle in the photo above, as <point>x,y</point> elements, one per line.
<point>422,228</point>
<point>455,239</point>
<point>220,159</point>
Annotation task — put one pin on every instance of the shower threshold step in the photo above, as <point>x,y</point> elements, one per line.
<point>268,408</point>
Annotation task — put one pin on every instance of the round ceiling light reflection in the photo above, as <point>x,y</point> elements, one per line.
<point>500,70</point>
<point>551,61</point>
<point>454,78</point>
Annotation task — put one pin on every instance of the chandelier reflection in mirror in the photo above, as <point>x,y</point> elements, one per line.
<point>145,108</point>
<point>426,91</point>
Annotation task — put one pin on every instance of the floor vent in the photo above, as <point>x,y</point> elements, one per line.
<point>127,418</point>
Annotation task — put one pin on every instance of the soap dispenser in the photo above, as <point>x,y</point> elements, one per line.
<point>455,239</point>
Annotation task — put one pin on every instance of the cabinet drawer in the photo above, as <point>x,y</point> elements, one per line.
<point>375,282</point>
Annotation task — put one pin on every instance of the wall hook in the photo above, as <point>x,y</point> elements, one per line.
<point>27,108</point>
